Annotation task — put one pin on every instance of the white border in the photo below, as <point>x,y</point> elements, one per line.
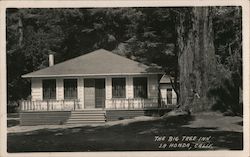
<point>124,3</point>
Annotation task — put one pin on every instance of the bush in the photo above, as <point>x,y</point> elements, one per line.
<point>12,107</point>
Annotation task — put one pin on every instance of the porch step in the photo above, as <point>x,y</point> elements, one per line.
<point>87,117</point>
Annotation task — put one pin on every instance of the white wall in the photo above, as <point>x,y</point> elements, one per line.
<point>163,89</point>
<point>37,92</point>
<point>108,92</point>
<point>80,91</point>
<point>129,87</point>
<point>59,89</point>
<point>36,89</point>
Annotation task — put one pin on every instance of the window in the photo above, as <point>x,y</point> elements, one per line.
<point>70,89</point>
<point>118,88</point>
<point>169,96</point>
<point>49,89</point>
<point>140,87</point>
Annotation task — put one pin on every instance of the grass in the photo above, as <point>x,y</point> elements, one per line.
<point>133,136</point>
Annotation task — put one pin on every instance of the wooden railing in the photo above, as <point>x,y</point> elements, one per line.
<point>49,105</point>
<point>114,103</point>
<point>134,103</point>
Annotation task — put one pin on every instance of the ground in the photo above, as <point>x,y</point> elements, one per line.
<point>203,131</point>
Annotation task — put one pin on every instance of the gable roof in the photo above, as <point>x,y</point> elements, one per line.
<point>99,62</point>
<point>165,79</point>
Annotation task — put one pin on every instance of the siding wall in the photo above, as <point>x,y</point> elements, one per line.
<point>36,89</point>
<point>59,89</point>
<point>108,82</point>
<point>80,91</point>
<point>163,89</point>
<point>44,117</point>
<point>129,87</point>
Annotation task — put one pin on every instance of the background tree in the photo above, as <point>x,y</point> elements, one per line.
<point>227,89</point>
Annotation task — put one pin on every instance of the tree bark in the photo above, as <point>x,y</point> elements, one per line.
<point>196,59</point>
<point>20,30</point>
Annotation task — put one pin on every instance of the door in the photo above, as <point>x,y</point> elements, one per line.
<point>169,96</point>
<point>99,93</point>
<point>89,93</point>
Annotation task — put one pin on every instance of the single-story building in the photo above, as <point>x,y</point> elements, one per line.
<point>92,88</point>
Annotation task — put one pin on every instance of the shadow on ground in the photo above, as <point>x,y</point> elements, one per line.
<point>133,136</point>
<point>12,122</point>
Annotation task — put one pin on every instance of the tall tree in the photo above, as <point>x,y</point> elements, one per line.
<point>196,58</point>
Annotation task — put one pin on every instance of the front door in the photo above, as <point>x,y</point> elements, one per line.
<point>89,93</point>
<point>99,93</point>
<point>94,93</point>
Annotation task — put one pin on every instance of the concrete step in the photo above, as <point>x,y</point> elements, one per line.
<point>92,119</point>
<point>90,115</point>
<point>89,111</point>
<point>86,122</point>
<point>87,117</point>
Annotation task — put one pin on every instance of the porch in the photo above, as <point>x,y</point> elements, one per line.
<point>71,112</point>
<point>109,104</point>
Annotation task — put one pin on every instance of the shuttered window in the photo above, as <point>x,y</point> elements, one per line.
<point>118,88</point>
<point>49,89</point>
<point>140,87</point>
<point>70,88</point>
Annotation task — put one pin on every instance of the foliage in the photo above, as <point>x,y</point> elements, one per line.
<point>228,43</point>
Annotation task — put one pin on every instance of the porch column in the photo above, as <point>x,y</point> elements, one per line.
<point>108,91</point>
<point>80,92</point>
<point>59,89</point>
<point>129,87</point>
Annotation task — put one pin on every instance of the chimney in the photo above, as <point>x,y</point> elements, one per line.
<point>51,58</point>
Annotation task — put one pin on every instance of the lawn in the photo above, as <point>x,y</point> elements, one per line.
<point>205,131</point>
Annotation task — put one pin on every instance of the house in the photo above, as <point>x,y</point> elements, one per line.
<point>92,88</point>
<point>168,95</point>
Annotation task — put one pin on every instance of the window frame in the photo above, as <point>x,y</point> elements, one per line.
<point>123,87</point>
<point>146,87</point>
<point>69,94</point>
<point>52,89</point>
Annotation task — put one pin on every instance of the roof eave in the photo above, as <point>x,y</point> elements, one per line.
<point>81,75</point>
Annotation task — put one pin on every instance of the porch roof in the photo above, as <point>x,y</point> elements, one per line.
<point>99,62</point>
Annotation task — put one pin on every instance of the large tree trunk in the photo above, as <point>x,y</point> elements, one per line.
<point>196,59</point>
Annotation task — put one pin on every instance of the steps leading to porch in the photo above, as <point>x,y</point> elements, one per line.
<point>87,117</point>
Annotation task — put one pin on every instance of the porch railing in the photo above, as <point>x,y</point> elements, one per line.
<point>134,103</point>
<point>118,103</point>
<point>49,105</point>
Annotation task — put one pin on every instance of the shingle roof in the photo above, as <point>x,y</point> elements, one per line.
<point>99,62</point>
